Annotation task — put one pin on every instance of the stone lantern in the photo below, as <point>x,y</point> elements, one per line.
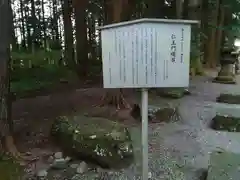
<point>237,65</point>
<point>227,73</point>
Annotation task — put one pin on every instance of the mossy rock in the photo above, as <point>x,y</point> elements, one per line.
<point>95,140</point>
<point>10,169</point>
<point>157,114</point>
<point>197,67</point>
<point>224,166</point>
<point>226,123</point>
<point>229,98</point>
<point>225,80</point>
<point>174,93</point>
<point>166,114</point>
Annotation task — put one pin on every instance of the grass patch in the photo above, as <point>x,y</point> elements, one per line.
<point>10,169</point>
<point>24,80</point>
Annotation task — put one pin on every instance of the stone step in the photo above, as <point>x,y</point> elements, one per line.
<point>224,109</point>
<point>224,166</point>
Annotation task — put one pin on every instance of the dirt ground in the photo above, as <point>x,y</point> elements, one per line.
<point>33,116</point>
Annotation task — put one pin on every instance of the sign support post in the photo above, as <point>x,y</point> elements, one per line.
<point>144,133</point>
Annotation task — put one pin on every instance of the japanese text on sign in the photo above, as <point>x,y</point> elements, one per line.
<point>182,37</point>
<point>173,48</point>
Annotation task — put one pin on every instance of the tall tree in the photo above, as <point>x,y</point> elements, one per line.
<point>13,38</point>
<point>155,8</point>
<point>211,46</point>
<point>33,20</point>
<point>69,53</point>
<point>220,34</point>
<point>6,123</point>
<point>44,26</point>
<point>81,36</point>
<point>179,9</point>
<point>92,36</point>
<point>55,26</point>
<point>23,29</point>
<point>185,9</point>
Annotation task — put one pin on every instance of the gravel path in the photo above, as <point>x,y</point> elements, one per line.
<point>180,150</point>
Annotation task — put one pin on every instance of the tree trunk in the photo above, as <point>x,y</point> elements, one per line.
<point>108,11</point>
<point>204,28</point>
<point>119,10</point>
<point>69,53</point>
<point>6,123</point>
<point>29,36</point>
<point>56,36</point>
<point>92,38</point>
<point>185,9</point>
<point>179,9</point>
<point>23,31</point>
<point>155,9</point>
<point>99,45</point>
<point>4,58</point>
<point>44,27</point>
<point>13,38</point>
<point>33,16</point>
<point>211,47</point>
<point>81,36</point>
<point>220,32</point>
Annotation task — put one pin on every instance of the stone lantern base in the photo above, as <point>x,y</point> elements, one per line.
<point>237,68</point>
<point>226,75</point>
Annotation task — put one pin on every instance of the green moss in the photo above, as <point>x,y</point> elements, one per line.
<point>9,168</point>
<point>229,98</point>
<point>196,64</point>
<point>95,140</point>
<point>167,115</point>
<point>226,123</point>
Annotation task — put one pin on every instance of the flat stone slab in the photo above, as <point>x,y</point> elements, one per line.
<point>224,166</point>
<point>225,109</point>
<point>230,98</point>
<point>173,93</point>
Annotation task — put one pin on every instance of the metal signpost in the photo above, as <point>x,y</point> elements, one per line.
<point>146,53</point>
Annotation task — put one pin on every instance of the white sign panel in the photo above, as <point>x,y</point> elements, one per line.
<point>146,54</point>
